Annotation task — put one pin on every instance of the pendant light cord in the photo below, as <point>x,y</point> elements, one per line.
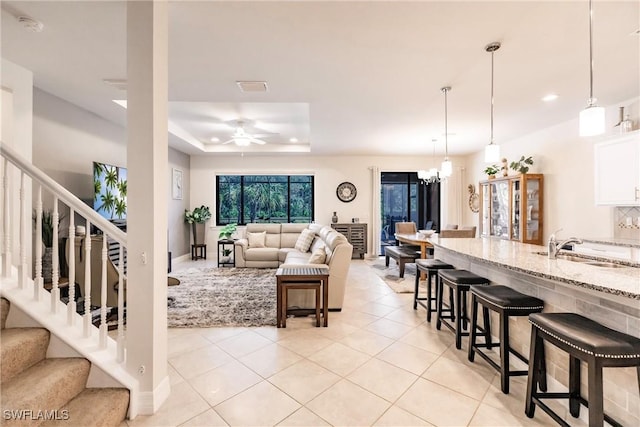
<point>591,52</point>
<point>446,132</point>
<point>491,140</point>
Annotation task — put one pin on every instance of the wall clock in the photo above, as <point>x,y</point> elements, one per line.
<point>346,192</point>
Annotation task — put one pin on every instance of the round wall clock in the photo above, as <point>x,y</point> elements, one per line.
<point>474,199</point>
<point>346,192</point>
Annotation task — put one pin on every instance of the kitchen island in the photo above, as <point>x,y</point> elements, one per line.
<point>606,294</point>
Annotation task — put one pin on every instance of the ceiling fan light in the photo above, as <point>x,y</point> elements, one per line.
<point>241,141</point>
<point>491,153</point>
<point>446,169</point>
<point>592,120</point>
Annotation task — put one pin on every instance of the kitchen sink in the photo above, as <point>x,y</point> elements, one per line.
<point>588,261</point>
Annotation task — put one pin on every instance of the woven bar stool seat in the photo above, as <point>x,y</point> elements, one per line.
<point>459,282</point>
<point>507,302</point>
<point>586,341</point>
<point>431,267</point>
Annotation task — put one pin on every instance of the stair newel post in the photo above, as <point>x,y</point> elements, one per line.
<point>55,263</point>
<point>6,224</point>
<point>87,280</point>
<point>103,294</point>
<point>38,282</point>
<point>71,266</point>
<point>22,269</point>
<point>121,291</point>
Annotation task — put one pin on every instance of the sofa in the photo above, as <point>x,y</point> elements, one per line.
<point>279,251</point>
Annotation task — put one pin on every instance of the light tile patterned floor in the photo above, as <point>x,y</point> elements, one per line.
<point>378,363</point>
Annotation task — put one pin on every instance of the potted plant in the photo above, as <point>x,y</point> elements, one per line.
<point>227,231</point>
<point>197,217</point>
<point>491,171</point>
<point>522,165</point>
<point>225,258</point>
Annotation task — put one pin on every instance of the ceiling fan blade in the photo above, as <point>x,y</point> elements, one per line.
<point>227,142</point>
<point>257,141</point>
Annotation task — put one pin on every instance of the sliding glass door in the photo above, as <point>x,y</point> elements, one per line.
<point>405,198</point>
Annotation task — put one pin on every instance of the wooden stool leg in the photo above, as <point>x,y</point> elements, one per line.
<point>532,379</point>
<point>457,302</point>
<point>486,323</point>
<point>401,265</point>
<point>415,290</point>
<point>542,370</point>
<point>284,306</point>
<point>430,298</point>
<point>472,331</point>
<point>278,305</point>
<point>504,352</point>
<point>574,386</point>
<point>439,295</point>
<point>318,307</point>
<point>596,404</point>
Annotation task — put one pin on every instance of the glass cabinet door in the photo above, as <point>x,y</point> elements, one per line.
<point>533,217</point>
<point>485,211</point>
<point>500,209</point>
<point>515,209</point>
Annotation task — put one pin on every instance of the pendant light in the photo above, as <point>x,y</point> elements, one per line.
<point>492,151</point>
<point>446,168</point>
<point>592,117</point>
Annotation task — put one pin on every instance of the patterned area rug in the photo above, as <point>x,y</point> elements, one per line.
<point>391,275</point>
<point>222,297</point>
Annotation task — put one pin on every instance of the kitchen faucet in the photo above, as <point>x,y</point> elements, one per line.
<point>554,246</point>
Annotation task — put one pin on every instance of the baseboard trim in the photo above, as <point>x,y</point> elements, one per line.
<point>181,258</point>
<point>149,401</point>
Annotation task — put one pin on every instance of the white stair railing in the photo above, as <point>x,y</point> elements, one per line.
<point>63,200</point>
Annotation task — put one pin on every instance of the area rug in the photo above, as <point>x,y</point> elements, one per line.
<point>391,275</point>
<point>210,297</point>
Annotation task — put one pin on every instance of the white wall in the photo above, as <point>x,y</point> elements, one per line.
<point>567,162</point>
<point>329,171</point>
<point>67,140</point>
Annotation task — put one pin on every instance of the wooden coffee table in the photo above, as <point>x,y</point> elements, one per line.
<point>302,278</point>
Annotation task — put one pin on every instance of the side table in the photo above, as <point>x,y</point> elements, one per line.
<point>198,251</point>
<point>302,278</point>
<point>228,259</point>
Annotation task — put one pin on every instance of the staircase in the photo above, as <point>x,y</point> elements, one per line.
<point>41,391</point>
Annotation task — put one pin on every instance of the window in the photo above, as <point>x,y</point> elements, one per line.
<point>242,199</point>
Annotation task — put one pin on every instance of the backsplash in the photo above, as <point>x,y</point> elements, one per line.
<point>627,223</point>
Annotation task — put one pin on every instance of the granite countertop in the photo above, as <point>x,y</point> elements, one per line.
<point>521,257</point>
<point>633,243</point>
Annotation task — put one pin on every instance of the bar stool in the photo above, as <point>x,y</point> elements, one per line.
<point>586,341</point>
<point>431,267</point>
<point>506,302</point>
<point>458,281</point>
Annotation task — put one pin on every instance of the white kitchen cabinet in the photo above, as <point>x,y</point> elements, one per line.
<point>617,170</point>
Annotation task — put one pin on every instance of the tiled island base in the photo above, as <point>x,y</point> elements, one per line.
<point>621,313</point>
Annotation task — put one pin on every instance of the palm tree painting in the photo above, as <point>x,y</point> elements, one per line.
<point>110,191</point>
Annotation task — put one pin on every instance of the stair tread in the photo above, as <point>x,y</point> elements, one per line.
<point>47,385</point>
<point>94,407</point>
<point>21,349</point>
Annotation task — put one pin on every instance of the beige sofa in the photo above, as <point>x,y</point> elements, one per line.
<point>279,251</point>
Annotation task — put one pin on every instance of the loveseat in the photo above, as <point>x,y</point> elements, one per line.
<point>278,249</point>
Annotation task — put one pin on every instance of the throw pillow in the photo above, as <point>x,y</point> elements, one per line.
<point>304,240</point>
<point>318,256</point>
<point>256,240</point>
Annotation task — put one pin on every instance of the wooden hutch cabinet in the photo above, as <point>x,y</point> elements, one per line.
<point>511,208</point>
<point>356,234</point>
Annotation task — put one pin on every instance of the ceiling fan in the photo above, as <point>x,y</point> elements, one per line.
<point>241,138</point>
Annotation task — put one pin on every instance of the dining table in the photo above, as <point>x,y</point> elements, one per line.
<point>417,239</point>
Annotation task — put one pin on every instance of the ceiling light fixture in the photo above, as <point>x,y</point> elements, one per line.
<point>446,167</point>
<point>252,86</point>
<point>215,139</point>
<point>592,117</point>
<point>550,97</point>
<point>430,176</point>
<point>293,140</point>
<point>492,151</point>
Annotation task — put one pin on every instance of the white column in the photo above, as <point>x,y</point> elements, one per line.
<point>147,160</point>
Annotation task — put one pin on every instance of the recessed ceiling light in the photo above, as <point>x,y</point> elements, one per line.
<point>293,139</point>
<point>252,86</point>
<point>31,24</point>
<point>550,97</point>
<point>215,139</point>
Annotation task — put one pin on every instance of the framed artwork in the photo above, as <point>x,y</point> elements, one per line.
<point>176,184</point>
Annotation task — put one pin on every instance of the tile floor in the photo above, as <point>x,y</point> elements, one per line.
<point>379,363</point>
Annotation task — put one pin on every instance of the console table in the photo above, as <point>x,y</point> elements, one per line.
<point>302,278</point>
<point>356,234</point>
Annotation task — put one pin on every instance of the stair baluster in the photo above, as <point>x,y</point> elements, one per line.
<point>103,295</point>
<point>55,263</point>
<point>22,268</point>
<point>87,280</point>
<point>71,274</point>
<point>6,248</point>
<point>37,281</point>
<point>121,313</point>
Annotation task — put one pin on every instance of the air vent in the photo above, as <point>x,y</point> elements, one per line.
<point>116,83</point>
<point>31,24</point>
<point>252,86</point>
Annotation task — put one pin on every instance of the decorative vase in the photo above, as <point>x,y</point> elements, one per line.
<point>198,229</point>
<point>225,259</point>
<point>492,176</point>
<point>334,218</point>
